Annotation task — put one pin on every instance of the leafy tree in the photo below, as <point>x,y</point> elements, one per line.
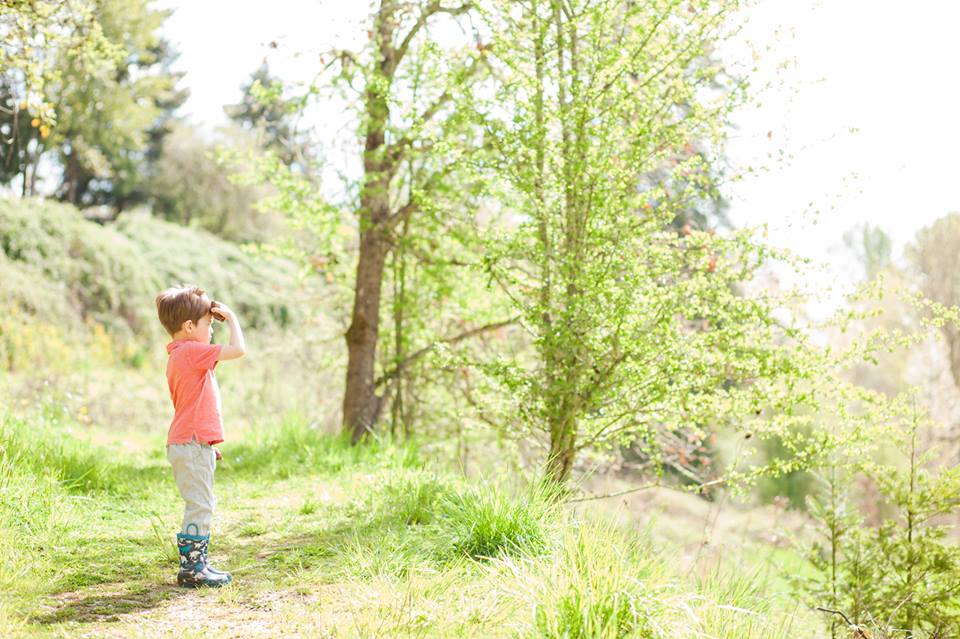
<point>403,88</point>
<point>872,247</point>
<point>108,120</point>
<point>390,140</point>
<point>398,232</point>
<point>35,37</point>
<point>935,254</point>
<point>889,313</point>
<point>684,452</point>
<point>112,110</point>
<point>635,328</point>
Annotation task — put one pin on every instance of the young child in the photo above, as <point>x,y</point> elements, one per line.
<point>187,314</point>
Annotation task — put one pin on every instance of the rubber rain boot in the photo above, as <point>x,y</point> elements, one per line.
<point>194,569</point>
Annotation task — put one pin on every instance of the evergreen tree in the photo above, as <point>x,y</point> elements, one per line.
<point>272,118</point>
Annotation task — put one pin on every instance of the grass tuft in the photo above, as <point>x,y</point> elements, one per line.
<point>485,521</point>
<point>595,587</point>
<point>414,498</point>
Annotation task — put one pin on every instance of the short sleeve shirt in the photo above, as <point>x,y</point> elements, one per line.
<point>194,391</point>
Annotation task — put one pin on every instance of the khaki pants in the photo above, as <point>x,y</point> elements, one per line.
<point>193,467</point>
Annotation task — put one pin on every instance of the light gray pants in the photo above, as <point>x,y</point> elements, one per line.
<point>193,467</point>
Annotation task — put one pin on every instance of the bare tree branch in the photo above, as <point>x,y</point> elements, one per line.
<point>656,484</point>
<point>431,9</point>
<point>850,624</point>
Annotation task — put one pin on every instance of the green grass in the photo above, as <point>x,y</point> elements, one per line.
<point>293,448</point>
<point>485,522</point>
<point>326,539</point>
<point>596,586</point>
<point>46,453</point>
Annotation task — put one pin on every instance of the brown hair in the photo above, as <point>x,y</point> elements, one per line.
<point>178,304</point>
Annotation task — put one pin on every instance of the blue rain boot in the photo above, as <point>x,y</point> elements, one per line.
<point>195,569</point>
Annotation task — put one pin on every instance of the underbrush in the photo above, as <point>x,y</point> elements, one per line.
<point>55,263</point>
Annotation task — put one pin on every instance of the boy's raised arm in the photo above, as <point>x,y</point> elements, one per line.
<point>237,346</point>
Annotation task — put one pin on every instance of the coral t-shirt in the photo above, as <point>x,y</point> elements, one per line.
<point>194,391</point>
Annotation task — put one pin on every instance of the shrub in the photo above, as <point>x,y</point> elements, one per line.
<point>56,264</point>
<point>898,578</point>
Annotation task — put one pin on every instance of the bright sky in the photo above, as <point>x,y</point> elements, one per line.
<point>865,112</point>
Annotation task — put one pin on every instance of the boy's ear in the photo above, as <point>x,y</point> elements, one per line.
<point>188,326</point>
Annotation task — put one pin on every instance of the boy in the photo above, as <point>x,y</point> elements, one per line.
<point>187,314</point>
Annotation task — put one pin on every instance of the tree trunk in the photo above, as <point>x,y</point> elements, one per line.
<point>563,440</point>
<point>72,178</point>
<point>361,404</point>
<point>26,157</point>
<point>399,328</point>
<point>564,361</point>
<point>381,161</point>
<point>34,165</point>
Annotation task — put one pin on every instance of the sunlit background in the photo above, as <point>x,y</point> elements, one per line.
<point>855,117</point>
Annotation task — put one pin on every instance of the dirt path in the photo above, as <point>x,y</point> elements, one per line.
<point>266,600</point>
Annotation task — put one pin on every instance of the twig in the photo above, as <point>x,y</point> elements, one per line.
<point>635,489</point>
<point>849,623</point>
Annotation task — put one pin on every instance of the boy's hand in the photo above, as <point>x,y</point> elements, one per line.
<point>221,311</point>
<point>217,453</point>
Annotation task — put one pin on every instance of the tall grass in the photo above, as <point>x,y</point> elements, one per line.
<point>593,586</point>
<point>36,473</point>
<point>413,499</point>
<point>485,521</point>
<point>296,447</point>
<point>27,506</point>
<point>38,448</point>
<point>607,583</point>
<point>404,520</point>
<point>61,498</point>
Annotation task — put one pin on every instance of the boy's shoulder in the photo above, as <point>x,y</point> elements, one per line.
<point>189,348</point>
<point>180,346</point>
<point>190,353</point>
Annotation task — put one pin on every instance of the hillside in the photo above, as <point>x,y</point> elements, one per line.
<point>56,264</point>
